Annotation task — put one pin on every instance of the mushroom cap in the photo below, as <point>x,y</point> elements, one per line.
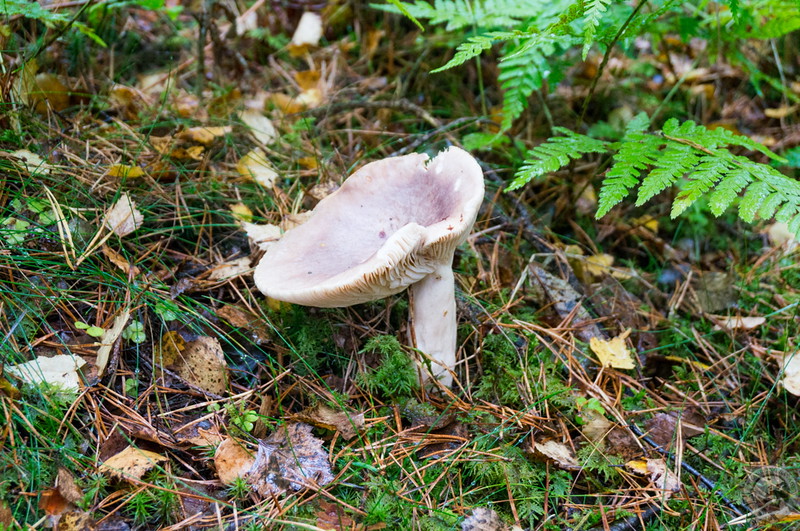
<point>388,226</point>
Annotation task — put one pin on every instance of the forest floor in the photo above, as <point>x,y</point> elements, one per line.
<point>631,372</point>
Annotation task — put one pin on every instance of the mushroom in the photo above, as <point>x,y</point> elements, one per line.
<point>393,224</point>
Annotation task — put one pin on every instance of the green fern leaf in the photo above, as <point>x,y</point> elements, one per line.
<point>474,47</point>
<point>594,12</point>
<point>638,125</point>
<point>671,165</point>
<point>728,190</point>
<point>708,172</point>
<point>753,198</point>
<point>636,153</point>
<point>554,154</point>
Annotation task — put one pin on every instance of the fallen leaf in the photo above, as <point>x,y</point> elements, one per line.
<point>260,126</point>
<point>123,170</point>
<point>791,373</point>
<point>241,212</point>
<point>779,112</point>
<point>76,521</point>
<point>231,269</point>
<point>53,503</point>
<point>202,363</point>
<point>123,217</point>
<point>308,31</point>
<point>241,318</point>
<point>332,517</point>
<point>558,452</point>
<point>187,153</point>
<point>49,94</point>
<point>31,162</point>
<point>65,483</point>
<point>131,464</point>
<point>715,291</point>
<point>483,519</point>
<point>6,518</point>
<point>661,427</point>
<point>738,322</point>
<point>118,260</point>
<point>232,460</point>
<point>289,459</point>
<point>346,423</point>
<point>108,339</point>
<point>60,370</point>
<point>613,352</point>
<point>647,221</point>
<point>291,221</point>
<point>127,100</point>
<point>656,469</point>
<point>780,235</point>
<point>599,264</point>
<point>262,236</point>
<point>255,166</point>
<point>203,135</point>
<point>170,348</point>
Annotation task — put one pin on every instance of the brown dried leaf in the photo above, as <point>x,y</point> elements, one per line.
<point>202,364</point>
<point>65,482</point>
<point>289,459</point>
<point>49,93</point>
<point>6,518</point>
<point>232,460</point>
<point>346,423</point>
<point>558,452</point>
<point>332,517</point>
<point>483,519</point>
<point>108,339</point>
<point>76,521</point>
<point>118,260</point>
<point>715,291</point>
<point>131,463</point>
<point>123,217</point>
<point>170,348</point>
<point>240,318</point>
<point>661,428</point>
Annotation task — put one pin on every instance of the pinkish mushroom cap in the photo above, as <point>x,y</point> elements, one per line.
<point>393,224</point>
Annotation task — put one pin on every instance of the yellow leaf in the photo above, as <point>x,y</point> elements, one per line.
<point>599,264</point>
<point>255,166</point>
<point>131,463</point>
<point>123,170</point>
<point>242,212</point>
<point>613,352</point>
<point>260,126</point>
<point>172,344</point>
<point>203,135</point>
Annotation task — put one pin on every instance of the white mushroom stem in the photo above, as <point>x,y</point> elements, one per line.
<point>433,321</point>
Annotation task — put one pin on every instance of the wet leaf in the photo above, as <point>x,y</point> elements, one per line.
<point>231,269</point>
<point>558,452</point>
<point>232,460</point>
<point>613,352</point>
<point>739,323</point>
<point>125,171</point>
<point>262,236</point>
<point>483,519</point>
<point>49,93</point>
<point>289,460</point>
<point>131,464</point>
<point>31,162</point>
<point>202,363</point>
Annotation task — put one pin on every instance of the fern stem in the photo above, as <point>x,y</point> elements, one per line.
<point>606,57</point>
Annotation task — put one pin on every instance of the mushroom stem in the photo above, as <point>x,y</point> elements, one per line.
<point>433,321</point>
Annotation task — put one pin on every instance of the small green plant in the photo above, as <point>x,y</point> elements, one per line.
<point>134,332</point>
<point>167,310</point>
<point>93,331</point>
<point>396,376</point>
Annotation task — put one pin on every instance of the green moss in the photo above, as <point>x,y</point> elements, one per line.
<point>396,376</point>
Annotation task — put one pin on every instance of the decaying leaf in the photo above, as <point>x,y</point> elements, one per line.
<point>662,427</point>
<point>202,363</point>
<point>332,516</point>
<point>483,519</point>
<point>128,101</point>
<point>49,93</point>
<point>76,521</point>
<point>260,126</point>
<point>289,459</point>
<point>232,460</point>
<point>60,370</point>
<point>791,374</point>
<point>346,423</point>
<point>255,165</point>
<point>170,348</point>
<point>738,322</point>
<point>131,463</point>
<point>241,318</point>
<point>262,236</point>
<point>613,352</point>
<point>231,269</point>
<point>108,339</point>
<point>123,217</point>
<point>118,260</point>
<point>558,452</point>
<point>715,291</point>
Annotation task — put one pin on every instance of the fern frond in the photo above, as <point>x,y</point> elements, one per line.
<point>671,165</point>
<point>474,47</point>
<point>554,154</point>
<point>708,172</point>
<point>523,73</point>
<point>594,12</point>
<point>728,190</point>
<point>637,152</point>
